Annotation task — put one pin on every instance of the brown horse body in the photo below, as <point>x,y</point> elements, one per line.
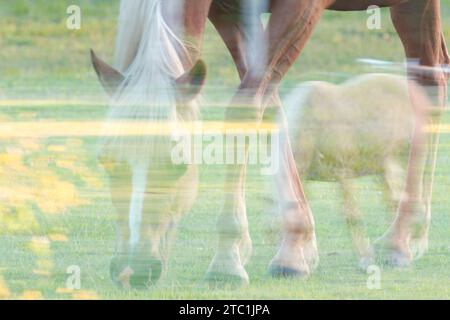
<point>289,28</point>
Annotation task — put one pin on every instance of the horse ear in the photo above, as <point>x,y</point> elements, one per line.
<point>109,77</point>
<point>191,83</point>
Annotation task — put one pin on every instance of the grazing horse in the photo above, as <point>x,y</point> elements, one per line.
<point>152,92</point>
<point>261,70</point>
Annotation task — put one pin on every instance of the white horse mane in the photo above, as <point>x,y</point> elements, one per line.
<point>150,56</point>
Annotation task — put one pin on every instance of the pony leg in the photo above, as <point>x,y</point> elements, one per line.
<point>392,181</point>
<point>418,24</point>
<point>355,225</point>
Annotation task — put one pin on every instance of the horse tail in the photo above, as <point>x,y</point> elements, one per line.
<point>129,32</point>
<point>141,22</point>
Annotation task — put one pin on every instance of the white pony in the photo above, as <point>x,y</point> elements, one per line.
<point>362,127</point>
<point>151,93</point>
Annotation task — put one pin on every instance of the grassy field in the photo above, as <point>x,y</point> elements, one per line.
<point>55,208</point>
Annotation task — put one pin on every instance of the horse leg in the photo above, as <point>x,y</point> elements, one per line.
<point>291,197</point>
<point>234,247</point>
<point>355,225</point>
<point>247,106</point>
<point>232,32</point>
<point>236,38</point>
<point>287,34</point>
<point>289,29</point>
<point>418,24</point>
<point>295,255</point>
<point>392,181</point>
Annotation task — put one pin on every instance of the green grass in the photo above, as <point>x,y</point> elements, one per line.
<point>41,59</point>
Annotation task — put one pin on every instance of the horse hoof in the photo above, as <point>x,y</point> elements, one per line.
<point>397,259</point>
<point>115,268</point>
<point>365,262</point>
<point>218,280</point>
<point>277,271</point>
<point>393,258</point>
<point>141,274</point>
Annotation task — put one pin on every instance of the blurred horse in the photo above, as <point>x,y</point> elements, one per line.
<point>362,127</point>
<point>263,55</point>
<point>152,93</point>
